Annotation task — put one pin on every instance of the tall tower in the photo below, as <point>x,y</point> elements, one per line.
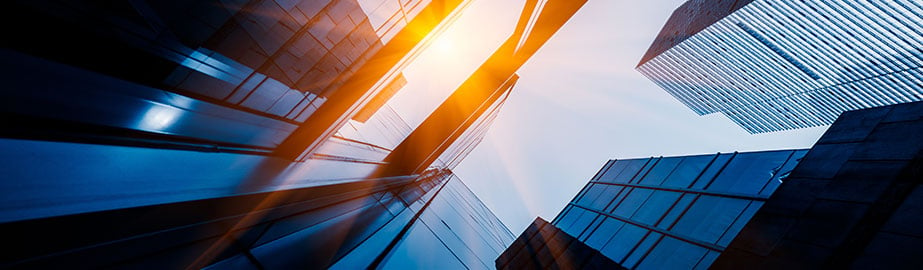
<point>778,65</point>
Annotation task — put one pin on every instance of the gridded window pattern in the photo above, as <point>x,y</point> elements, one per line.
<point>778,65</point>
<point>673,212</point>
<point>284,57</point>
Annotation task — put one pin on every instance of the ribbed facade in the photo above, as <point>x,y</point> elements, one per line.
<point>779,65</point>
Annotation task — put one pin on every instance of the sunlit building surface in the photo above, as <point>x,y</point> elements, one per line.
<point>671,212</point>
<point>243,134</point>
<point>778,65</point>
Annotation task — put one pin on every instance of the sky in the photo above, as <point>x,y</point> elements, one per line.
<point>578,103</point>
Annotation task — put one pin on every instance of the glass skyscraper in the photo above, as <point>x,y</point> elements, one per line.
<point>778,65</point>
<point>853,202</point>
<point>253,134</point>
<point>672,212</point>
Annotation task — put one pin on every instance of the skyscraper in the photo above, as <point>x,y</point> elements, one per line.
<point>777,65</point>
<point>854,201</point>
<point>242,134</point>
<point>672,212</point>
<point>851,201</point>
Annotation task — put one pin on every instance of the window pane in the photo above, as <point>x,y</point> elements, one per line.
<point>623,171</point>
<point>655,207</point>
<point>711,171</point>
<point>623,241</point>
<point>749,172</point>
<point>677,210</point>
<point>632,202</point>
<point>687,171</point>
<point>605,231</point>
<point>672,253</point>
<point>660,171</point>
<point>709,217</point>
<point>642,249</point>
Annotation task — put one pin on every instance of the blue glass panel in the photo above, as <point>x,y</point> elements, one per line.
<point>632,202</point>
<point>606,195</point>
<point>644,171</point>
<point>581,224</point>
<point>709,218</point>
<point>623,242</point>
<point>564,218</point>
<point>619,197</point>
<point>614,170</point>
<point>742,220</point>
<point>749,172</point>
<point>707,260</point>
<point>642,249</point>
<point>593,226</point>
<point>655,207</point>
<point>624,173</point>
<point>672,253</point>
<point>711,171</point>
<point>420,240</point>
<point>604,232</point>
<point>677,210</point>
<point>592,192</point>
<point>660,171</point>
<point>687,171</point>
<point>784,172</point>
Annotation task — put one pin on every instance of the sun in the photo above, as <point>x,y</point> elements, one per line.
<point>444,45</point>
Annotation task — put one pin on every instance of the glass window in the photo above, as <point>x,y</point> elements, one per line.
<point>660,171</point>
<point>570,215</point>
<point>672,253</point>
<point>786,169</point>
<point>647,168</point>
<point>709,218</point>
<point>749,172</point>
<point>605,196</point>
<point>742,220</point>
<point>632,202</point>
<point>606,230</point>
<point>655,207</point>
<point>687,171</point>
<point>592,192</point>
<point>420,240</point>
<point>707,260</point>
<point>676,211</point>
<point>711,171</point>
<point>614,170</point>
<point>589,230</point>
<point>581,223</point>
<point>642,249</point>
<point>623,242</point>
<point>623,170</point>
<point>619,197</point>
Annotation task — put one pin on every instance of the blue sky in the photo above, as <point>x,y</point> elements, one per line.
<point>579,102</point>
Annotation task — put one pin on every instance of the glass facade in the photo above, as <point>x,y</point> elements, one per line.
<point>544,246</point>
<point>853,202</point>
<point>778,65</point>
<point>435,215</point>
<point>247,134</point>
<point>214,90</point>
<point>673,212</point>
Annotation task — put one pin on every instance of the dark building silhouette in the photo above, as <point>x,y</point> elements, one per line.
<point>778,65</point>
<point>544,246</point>
<point>242,134</point>
<point>851,201</point>
<point>854,201</point>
